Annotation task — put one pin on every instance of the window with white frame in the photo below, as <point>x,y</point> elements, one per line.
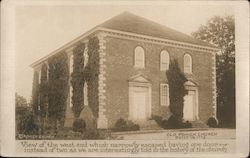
<point>85,94</point>
<point>164,94</point>
<point>139,57</point>
<point>164,60</point>
<point>39,101</point>
<point>86,56</point>
<point>187,64</point>
<point>47,71</point>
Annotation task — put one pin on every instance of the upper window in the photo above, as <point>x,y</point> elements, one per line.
<point>164,60</point>
<point>139,57</point>
<point>47,71</point>
<point>86,56</point>
<point>71,62</point>
<point>187,64</point>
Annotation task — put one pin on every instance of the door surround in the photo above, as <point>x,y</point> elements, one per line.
<point>191,86</point>
<point>133,83</point>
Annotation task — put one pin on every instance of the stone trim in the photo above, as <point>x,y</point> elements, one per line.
<point>156,40</point>
<point>139,80</point>
<point>131,86</point>
<point>86,60</point>
<point>128,35</point>
<point>69,116</point>
<point>70,64</point>
<point>102,122</point>
<point>197,106</point>
<point>214,87</point>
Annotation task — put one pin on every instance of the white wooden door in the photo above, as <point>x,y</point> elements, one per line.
<point>140,103</point>
<point>189,106</point>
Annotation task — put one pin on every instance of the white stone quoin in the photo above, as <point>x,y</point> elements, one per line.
<point>69,116</point>
<point>102,122</point>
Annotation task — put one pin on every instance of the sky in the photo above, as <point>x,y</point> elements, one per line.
<point>39,30</point>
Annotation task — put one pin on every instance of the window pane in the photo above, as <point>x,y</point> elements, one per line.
<point>139,57</point>
<point>187,63</point>
<point>164,60</point>
<point>164,95</point>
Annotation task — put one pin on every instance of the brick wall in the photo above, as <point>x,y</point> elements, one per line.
<point>120,67</point>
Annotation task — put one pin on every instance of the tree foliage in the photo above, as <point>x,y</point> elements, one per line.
<point>58,87</point>
<point>35,92</point>
<point>91,74</point>
<point>20,101</point>
<point>220,31</point>
<point>177,91</point>
<point>77,81</point>
<point>43,90</point>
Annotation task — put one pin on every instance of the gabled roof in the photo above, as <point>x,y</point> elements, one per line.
<point>131,23</point>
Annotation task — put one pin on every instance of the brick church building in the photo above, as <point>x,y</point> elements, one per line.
<point>133,56</point>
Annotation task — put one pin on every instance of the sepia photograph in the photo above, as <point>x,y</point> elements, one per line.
<point>128,78</point>
<point>128,73</point>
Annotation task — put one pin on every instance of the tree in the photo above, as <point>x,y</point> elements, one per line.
<point>43,97</point>
<point>20,101</point>
<point>22,112</point>
<point>58,88</point>
<point>43,91</point>
<point>177,91</point>
<point>220,31</point>
<point>77,81</point>
<point>91,73</point>
<point>35,92</point>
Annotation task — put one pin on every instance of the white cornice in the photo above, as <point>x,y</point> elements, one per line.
<point>128,35</point>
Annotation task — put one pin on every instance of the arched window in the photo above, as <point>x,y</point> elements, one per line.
<point>164,63</point>
<point>86,56</point>
<point>187,64</point>
<point>139,57</point>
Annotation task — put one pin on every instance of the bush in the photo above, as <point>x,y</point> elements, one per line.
<point>132,126</point>
<point>79,125</point>
<point>93,134</point>
<point>186,124</point>
<point>30,127</point>
<point>211,122</point>
<point>176,79</point>
<point>174,123</point>
<point>22,113</point>
<point>158,119</point>
<point>164,124</point>
<point>122,125</point>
